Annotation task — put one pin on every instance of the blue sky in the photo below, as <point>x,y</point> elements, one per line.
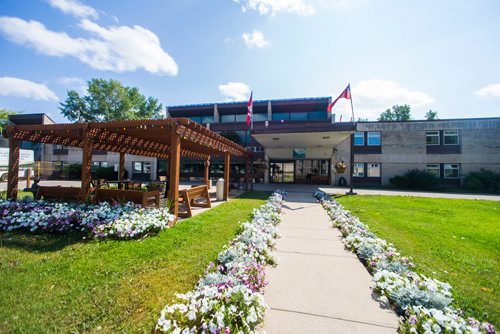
<point>440,55</point>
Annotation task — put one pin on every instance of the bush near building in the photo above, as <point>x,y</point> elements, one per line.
<point>415,179</point>
<point>484,181</point>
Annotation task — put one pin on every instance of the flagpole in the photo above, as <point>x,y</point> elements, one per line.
<point>351,179</point>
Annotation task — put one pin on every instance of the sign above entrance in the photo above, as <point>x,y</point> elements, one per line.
<point>299,153</point>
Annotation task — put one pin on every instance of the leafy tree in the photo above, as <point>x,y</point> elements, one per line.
<point>431,115</point>
<point>396,113</point>
<point>109,101</point>
<point>4,117</point>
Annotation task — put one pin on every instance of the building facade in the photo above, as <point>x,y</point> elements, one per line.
<point>297,141</point>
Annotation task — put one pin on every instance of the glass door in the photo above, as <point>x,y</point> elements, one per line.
<point>281,172</point>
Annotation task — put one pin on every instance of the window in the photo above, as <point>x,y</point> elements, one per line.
<point>433,169</point>
<point>58,147</point>
<point>278,116</point>
<point>373,170</point>
<point>450,137</point>
<point>227,118</point>
<point>141,167</point>
<point>58,165</point>
<point>241,117</point>
<point>432,137</point>
<point>98,164</point>
<point>207,119</point>
<point>259,117</point>
<point>451,171</point>
<point>196,119</point>
<point>316,115</point>
<point>359,169</point>
<point>298,116</point>
<point>359,139</point>
<point>373,139</point>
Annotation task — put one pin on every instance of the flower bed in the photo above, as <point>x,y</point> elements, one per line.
<point>122,221</point>
<point>424,304</point>
<point>228,297</point>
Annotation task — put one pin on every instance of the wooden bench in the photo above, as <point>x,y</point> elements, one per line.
<point>190,197</point>
<point>144,198</point>
<point>58,193</point>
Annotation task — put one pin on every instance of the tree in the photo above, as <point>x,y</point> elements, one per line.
<point>109,101</point>
<point>431,115</point>
<point>4,117</point>
<point>397,113</point>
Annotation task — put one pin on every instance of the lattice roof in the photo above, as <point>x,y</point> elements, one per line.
<point>140,137</point>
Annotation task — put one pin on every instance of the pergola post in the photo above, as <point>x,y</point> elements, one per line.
<point>252,178</point>
<point>247,173</point>
<point>206,178</point>
<point>86,167</point>
<point>13,174</point>
<point>121,170</point>
<point>174,169</point>
<point>227,168</point>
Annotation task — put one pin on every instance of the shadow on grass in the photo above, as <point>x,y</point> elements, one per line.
<point>38,242</point>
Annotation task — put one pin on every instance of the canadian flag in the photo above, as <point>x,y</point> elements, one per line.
<point>346,94</point>
<point>250,109</point>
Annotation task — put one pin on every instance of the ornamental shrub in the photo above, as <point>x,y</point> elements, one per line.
<point>416,179</point>
<point>484,180</point>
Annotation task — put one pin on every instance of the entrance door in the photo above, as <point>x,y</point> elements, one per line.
<point>281,172</point>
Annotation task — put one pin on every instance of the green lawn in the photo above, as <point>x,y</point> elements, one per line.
<point>61,284</point>
<point>457,241</point>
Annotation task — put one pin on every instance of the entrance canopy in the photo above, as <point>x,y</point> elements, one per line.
<point>302,140</point>
<point>163,138</point>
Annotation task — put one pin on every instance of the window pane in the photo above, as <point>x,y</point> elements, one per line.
<point>359,169</point>
<point>241,118</point>
<point>146,167</point>
<point>196,119</point>
<point>451,171</point>
<point>278,116</point>
<point>298,116</point>
<point>207,119</point>
<point>373,170</point>
<point>259,117</point>
<point>359,139</point>
<point>136,167</point>
<point>316,115</point>
<point>432,138</point>
<point>374,138</point>
<point>450,137</point>
<point>227,118</point>
<point>433,169</point>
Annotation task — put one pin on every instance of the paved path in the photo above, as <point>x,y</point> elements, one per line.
<point>318,286</point>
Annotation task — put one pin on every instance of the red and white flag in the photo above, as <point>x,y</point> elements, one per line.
<point>346,94</point>
<point>250,109</point>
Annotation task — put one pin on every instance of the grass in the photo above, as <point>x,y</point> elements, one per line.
<point>61,284</point>
<point>456,241</point>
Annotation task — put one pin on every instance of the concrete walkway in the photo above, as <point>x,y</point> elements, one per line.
<point>318,286</point>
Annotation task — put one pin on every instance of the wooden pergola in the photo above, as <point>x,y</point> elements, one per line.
<point>168,138</point>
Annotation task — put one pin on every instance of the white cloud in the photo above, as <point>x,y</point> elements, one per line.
<point>256,38</point>
<point>489,92</point>
<point>372,97</point>
<point>10,86</point>
<point>77,84</point>
<point>75,8</point>
<point>117,48</point>
<point>272,7</point>
<point>235,91</point>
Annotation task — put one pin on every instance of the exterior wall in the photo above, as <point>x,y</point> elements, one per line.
<point>404,145</point>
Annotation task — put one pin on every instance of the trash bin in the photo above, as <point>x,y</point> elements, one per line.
<point>219,192</point>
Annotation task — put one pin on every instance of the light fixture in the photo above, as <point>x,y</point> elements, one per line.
<point>276,138</point>
<point>326,137</point>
